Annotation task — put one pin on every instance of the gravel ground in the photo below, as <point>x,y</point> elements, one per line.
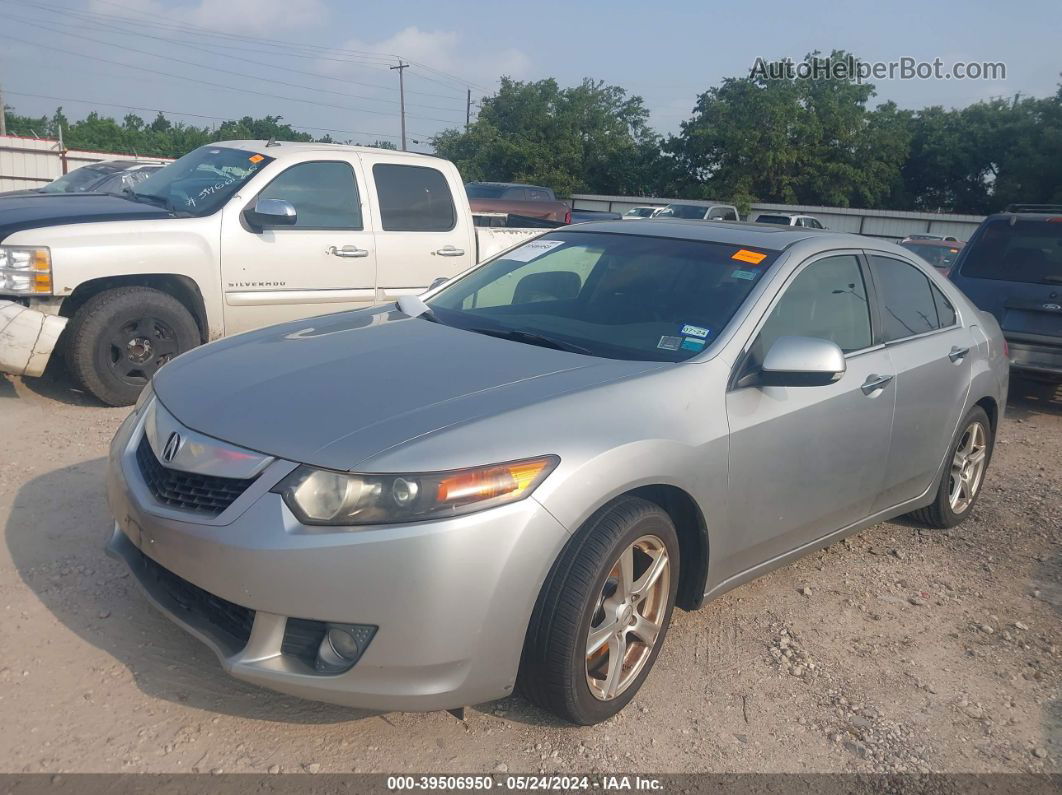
<point>900,649</point>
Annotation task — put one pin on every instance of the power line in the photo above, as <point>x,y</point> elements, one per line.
<point>207,82</point>
<point>213,48</point>
<point>226,71</point>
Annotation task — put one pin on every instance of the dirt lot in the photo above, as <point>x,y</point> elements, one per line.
<point>898,649</point>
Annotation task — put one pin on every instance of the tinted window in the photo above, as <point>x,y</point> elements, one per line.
<point>517,194</point>
<point>784,220</point>
<point>479,191</point>
<point>614,295</point>
<point>907,301</point>
<point>942,257</point>
<point>722,214</point>
<point>945,311</point>
<point>828,299</point>
<point>324,194</point>
<point>1027,251</point>
<point>413,199</point>
<point>693,211</point>
<point>540,195</point>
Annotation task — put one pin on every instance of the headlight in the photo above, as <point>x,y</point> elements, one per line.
<point>26,271</point>
<point>325,497</point>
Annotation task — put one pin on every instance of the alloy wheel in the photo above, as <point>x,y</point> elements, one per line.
<point>628,617</point>
<point>967,467</point>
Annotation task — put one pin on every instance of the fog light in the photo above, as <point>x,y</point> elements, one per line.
<point>341,647</point>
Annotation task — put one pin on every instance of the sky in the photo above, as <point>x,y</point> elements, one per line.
<point>323,65</point>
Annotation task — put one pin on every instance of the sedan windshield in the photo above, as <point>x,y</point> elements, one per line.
<point>80,180</point>
<point>611,295</point>
<point>201,181</point>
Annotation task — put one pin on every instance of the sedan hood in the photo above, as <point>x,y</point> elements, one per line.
<point>335,390</point>
<point>35,210</point>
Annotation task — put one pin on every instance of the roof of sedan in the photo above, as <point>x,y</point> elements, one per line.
<point>767,236</point>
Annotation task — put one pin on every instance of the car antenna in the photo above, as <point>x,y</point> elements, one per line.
<point>271,142</point>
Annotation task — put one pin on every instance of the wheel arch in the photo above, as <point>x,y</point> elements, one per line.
<point>991,407</point>
<point>183,288</point>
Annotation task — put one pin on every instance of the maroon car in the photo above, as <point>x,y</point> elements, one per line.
<point>529,201</point>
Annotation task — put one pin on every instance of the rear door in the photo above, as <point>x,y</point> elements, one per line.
<point>326,262</point>
<point>422,233</point>
<point>806,461</point>
<point>930,349</point>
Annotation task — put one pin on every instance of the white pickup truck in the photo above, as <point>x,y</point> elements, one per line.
<point>230,237</point>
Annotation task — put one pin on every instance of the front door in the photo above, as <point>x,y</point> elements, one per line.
<point>806,461</point>
<point>930,350</point>
<point>325,262</point>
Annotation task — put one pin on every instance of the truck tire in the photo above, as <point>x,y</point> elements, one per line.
<point>602,614</point>
<point>120,338</point>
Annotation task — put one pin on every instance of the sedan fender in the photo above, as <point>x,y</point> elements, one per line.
<point>27,338</point>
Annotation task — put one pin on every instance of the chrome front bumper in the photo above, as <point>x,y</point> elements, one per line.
<point>452,599</point>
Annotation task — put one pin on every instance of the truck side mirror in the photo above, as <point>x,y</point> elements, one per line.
<point>268,213</point>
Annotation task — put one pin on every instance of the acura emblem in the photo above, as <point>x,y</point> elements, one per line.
<point>1052,307</point>
<point>173,444</point>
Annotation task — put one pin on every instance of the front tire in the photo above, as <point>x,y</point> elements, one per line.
<point>964,473</point>
<point>120,338</point>
<point>603,612</point>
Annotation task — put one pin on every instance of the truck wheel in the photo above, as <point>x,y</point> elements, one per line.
<point>964,473</point>
<point>120,338</point>
<point>603,613</point>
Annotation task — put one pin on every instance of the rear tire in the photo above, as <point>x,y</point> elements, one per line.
<point>964,473</point>
<point>120,338</point>
<point>611,590</point>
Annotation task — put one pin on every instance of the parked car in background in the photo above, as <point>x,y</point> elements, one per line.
<point>233,236</point>
<point>941,254</point>
<point>927,236</point>
<point>510,484</point>
<point>700,211</point>
<point>109,176</point>
<point>641,212</point>
<point>790,219</point>
<point>583,216</point>
<point>530,201</point>
<point>1012,267</point>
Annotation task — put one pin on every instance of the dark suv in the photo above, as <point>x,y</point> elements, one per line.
<point>1012,267</point>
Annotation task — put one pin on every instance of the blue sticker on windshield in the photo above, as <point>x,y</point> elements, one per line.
<point>692,344</point>
<point>749,275</point>
<point>695,331</point>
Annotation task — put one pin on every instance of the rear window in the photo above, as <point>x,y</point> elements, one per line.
<point>474,191</point>
<point>1025,251</point>
<point>937,256</point>
<point>773,219</point>
<point>694,211</point>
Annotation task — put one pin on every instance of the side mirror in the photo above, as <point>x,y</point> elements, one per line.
<point>268,213</point>
<point>437,281</point>
<point>802,361</point>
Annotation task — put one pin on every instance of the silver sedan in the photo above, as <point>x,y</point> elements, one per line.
<point>510,484</point>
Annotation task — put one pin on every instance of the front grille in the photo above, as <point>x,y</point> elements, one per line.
<point>302,638</point>
<point>229,620</point>
<point>189,491</point>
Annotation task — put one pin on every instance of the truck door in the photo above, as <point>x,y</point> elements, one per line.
<point>324,262</point>
<point>422,233</point>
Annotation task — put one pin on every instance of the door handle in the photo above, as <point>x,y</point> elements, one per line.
<point>348,251</point>
<point>450,251</point>
<point>958,353</point>
<point>875,382</point>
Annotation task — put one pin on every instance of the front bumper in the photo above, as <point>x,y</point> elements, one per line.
<point>452,598</point>
<point>27,338</point>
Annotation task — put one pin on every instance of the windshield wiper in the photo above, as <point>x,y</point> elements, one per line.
<point>150,198</point>
<point>531,338</point>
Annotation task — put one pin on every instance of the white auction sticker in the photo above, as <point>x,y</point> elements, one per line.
<point>535,248</point>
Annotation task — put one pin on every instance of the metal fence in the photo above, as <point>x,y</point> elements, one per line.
<point>32,162</point>
<point>891,224</point>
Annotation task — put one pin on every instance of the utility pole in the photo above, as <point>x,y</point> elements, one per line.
<point>402,97</point>
<point>468,108</point>
<point>3,113</point>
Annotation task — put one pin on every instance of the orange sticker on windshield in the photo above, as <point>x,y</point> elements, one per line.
<point>752,257</point>
<point>256,158</point>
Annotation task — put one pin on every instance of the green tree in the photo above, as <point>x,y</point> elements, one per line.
<point>785,139</point>
<point>590,137</point>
